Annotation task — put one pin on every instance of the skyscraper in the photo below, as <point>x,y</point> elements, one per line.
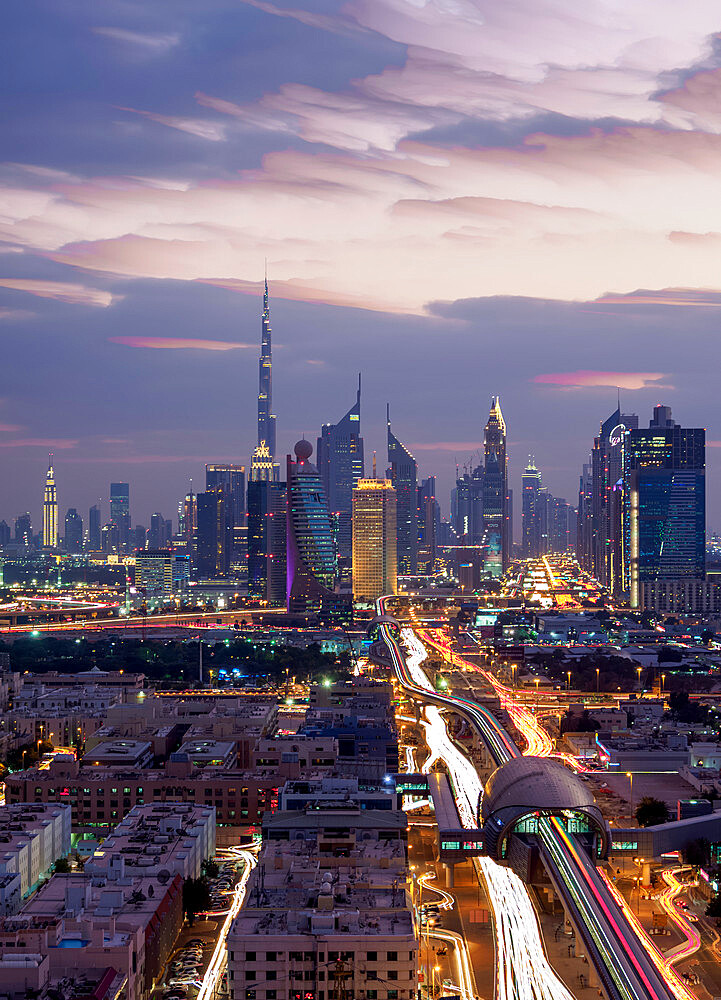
<point>266,418</point>
<point>73,531</point>
<point>50,509</point>
<point>531,483</point>
<point>94,528</point>
<point>214,546</point>
<point>311,567</point>
<point>404,477</point>
<point>375,557</point>
<point>120,512</point>
<point>341,466</point>
<point>429,518</point>
<point>267,547</point>
<point>495,493</point>
<point>232,479</point>
<point>24,530</point>
<point>665,490</point>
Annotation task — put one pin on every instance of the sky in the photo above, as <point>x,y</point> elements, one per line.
<point>457,198</point>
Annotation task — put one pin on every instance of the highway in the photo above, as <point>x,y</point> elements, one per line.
<point>620,956</point>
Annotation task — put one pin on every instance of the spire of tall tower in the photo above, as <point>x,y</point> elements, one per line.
<point>266,418</point>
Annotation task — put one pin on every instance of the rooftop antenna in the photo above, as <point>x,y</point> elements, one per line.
<point>374,466</point>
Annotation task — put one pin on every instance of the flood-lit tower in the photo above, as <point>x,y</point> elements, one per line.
<point>495,492</point>
<point>50,509</point>
<point>266,418</point>
<point>311,566</point>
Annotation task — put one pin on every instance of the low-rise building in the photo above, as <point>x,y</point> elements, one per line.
<point>32,838</point>
<point>175,837</point>
<point>307,932</point>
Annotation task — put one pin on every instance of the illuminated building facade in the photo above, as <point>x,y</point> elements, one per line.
<point>375,560</point>
<point>665,477</point>
<point>530,513</point>
<point>311,563</point>
<point>154,573</point>
<point>50,509</point>
<point>341,466</point>
<point>263,464</point>
<point>496,543</point>
<point>404,477</point>
<point>429,518</point>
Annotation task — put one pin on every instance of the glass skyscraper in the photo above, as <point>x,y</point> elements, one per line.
<point>311,566</point>
<point>665,492</point>
<point>404,477</point>
<point>341,466</point>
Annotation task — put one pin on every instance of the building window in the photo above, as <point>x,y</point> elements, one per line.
<point>393,975</point>
<point>271,956</point>
<point>392,956</point>
<point>250,956</point>
<point>270,994</point>
<point>271,976</point>
<point>372,956</point>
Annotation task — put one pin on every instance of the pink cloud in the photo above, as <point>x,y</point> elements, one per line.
<point>703,297</point>
<point>595,379</point>
<point>62,291</point>
<point>9,428</point>
<point>199,127</point>
<point>178,343</point>
<point>50,444</point>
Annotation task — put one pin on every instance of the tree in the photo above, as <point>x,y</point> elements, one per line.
<point>62,866</point>
<point>210,868</point>
<point>651,811</point>
<point>714,907</point>
<point>669,654</point>
<point>196,896</point>
<point>697,852</point>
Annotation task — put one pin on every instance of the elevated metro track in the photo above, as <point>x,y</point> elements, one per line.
<point>625,965</point>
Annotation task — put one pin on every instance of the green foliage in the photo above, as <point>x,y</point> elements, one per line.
<point>62,866</point>
<point>651,812</point>
<point>697,852</point>
<point>196,896</point>
<point>210,868</point>
<point>714,907</point>
<point>175,663</point>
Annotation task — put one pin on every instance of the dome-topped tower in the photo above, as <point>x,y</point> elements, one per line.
<point>303,450</point>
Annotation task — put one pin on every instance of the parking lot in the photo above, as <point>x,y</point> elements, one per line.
<point>194,947</point>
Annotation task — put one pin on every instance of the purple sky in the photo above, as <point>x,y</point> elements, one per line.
<point>457,200</point>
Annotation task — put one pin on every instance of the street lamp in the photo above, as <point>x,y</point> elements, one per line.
<point>598,674</point>
<point>568,675</point>
<point>638,671</point>
<point>663,681</point>
<point>629,775</point>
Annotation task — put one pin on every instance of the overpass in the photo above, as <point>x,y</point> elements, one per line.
<point>628,967</point>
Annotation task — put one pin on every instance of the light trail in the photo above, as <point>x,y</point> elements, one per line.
<point>617,950</point>
<point>523,971</point>
<point>462,958</point>
<point>691,934</point>
<point>219,958</point>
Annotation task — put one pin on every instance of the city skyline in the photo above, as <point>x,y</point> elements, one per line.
<point>538,261</point>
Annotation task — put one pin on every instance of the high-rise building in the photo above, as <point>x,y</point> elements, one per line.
<point>530,514</point>
<point>429,519</point>
<point>5,534</point>
<point>154,573</point>
<point>73,531</point>
<point>214,546</point>
<point>120,512</point>
<point>24,530</point>
<point>584,522</point>
<point>404,477</point>
<point>267,516</point>
<point>608,537</point>
<point>265,449</point>
<point>341,466</point>
<point>375,556</point>
<point>311,565</point>
<point>665,494</point>
<point>495,493</point>
<point>94,529</point>
<point>50,509</point>
<point>159,535</point>
<point>231,478</point>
